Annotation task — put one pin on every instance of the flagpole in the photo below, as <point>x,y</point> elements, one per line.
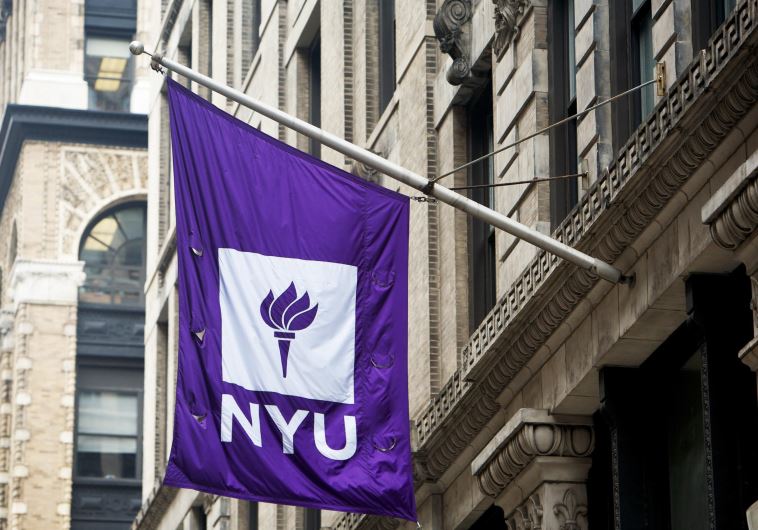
<point>397,172</point>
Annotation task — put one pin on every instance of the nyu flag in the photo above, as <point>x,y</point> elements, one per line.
<point>292,381</point>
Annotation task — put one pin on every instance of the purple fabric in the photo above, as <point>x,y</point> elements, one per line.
<point>237,188</point>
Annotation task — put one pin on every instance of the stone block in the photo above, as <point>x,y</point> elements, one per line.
<point>554,379</point>
<point>585,38</point>
<point>664,31</point>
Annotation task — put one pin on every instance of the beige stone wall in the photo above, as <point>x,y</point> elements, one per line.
<point>424,129</point>
<point>56,191</point>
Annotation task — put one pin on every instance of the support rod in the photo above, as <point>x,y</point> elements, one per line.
<point>395,171</point>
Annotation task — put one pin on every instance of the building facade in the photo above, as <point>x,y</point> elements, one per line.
<point>540,396</point>
<point>73,190</point>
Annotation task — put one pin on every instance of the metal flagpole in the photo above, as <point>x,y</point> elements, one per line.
<point>397,172</point>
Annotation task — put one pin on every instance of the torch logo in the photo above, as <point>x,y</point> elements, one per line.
<point>286,314</point>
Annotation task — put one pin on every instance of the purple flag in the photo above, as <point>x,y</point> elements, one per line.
<point>293,278</point>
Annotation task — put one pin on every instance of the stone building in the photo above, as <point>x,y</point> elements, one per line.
<point>73,179</point>
<point>541,396</point>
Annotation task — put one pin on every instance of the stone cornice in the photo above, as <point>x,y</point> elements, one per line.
<point>735,219</point>
<point>700,109</point>
<point>154,508</point>
<point>32,122</point>
<point>357,521</point>
<point>528,435</point>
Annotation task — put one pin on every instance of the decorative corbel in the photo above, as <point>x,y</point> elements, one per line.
<point>454,40</point>
<point>508,15</point>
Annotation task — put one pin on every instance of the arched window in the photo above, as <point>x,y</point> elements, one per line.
<point>113,249</point>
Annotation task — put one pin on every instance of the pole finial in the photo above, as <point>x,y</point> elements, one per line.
<point>136,47</point>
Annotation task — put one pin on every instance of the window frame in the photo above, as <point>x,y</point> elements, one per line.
<point>314,91</point>
<point>626,112</point>
<point>564,193</point>
<point>143,270</point>
<point>482,236</point>
<point>115,375</point>
<point>387,47</point>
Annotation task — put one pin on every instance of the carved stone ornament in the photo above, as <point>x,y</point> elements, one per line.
<point>535,434</point>
<point>356,521</point>
<point>570,512</point>
<point>454,38</point>
<point>508,15</point>
<point>739,220</point>
<point>528,516</point>
<point>683,130</point>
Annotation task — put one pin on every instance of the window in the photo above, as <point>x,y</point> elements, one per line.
<point>707,15</point>
<point>113,249</point>
<point>562,103</point>
<point>314,92</point>
<point>107,69</point>
<point>632,63</point>
<point>676,437</point>
<point>251,16</point>
<point>482,268</point>
<point>312,519</point>
<point>109,25</point>
<point>386,53</point>
<point>252,516</point>
<point>107,434</point>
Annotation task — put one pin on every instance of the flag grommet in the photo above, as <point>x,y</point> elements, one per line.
<point>199,335</point>
<point>386,449</point>
<point>389,360</point>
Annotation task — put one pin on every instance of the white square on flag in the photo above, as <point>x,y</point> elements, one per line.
<point>320,357</point>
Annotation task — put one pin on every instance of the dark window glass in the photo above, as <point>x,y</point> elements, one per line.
<point>707,15</point>
<point>482,235</point>
<point>314,104</point>
<point>113,251</point>
<point>386,52</point>
<point>107,434</point>
<point>562,103</point>
<point>108,71</point>
<point>632,63</point>
<point>686,450</point>
<point>252,516</point>
<point>312,519</point>
<point>642,38</point>
<point>699,469</point>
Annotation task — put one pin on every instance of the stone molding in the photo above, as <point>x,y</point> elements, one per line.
<point>452,27</point>
<point>356,521</point>
<point>508,17</point>
<point>570,511</point>
<point>526,516</point>
<point>154,508</point>
<point>528,435</point>
<point>46,281</point>
<point>738,220</point>
<point>700,109</point>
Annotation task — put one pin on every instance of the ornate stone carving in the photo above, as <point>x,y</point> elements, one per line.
<point>739,220</point>
<point>356,521</point>
<point>536,435</point>
<point>154,508</point>
<point>452,29</point>
<point>658,158</point>
<point>365,172</point>
<point>92,178</point>
<point>508,15</point>
<point>570,512</point>
<point>528,516</point>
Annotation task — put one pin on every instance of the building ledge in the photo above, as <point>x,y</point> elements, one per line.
<point>717,89</point>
